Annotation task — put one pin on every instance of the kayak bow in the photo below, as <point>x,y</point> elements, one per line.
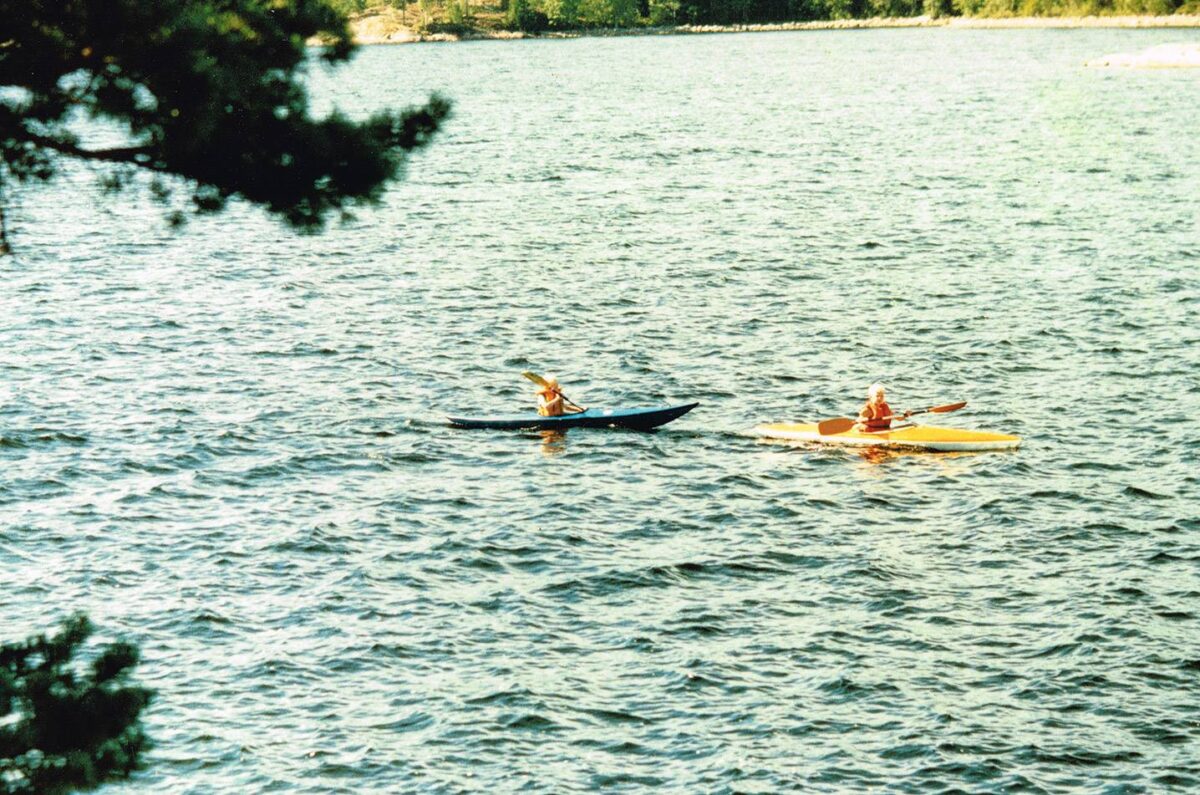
<point>640,419</point>
<point>911,437</point>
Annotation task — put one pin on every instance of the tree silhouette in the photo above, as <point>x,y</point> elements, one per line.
<point>208,90</point>
<point>64,726</point>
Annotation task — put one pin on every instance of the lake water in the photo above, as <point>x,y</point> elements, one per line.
<point>228,444</point>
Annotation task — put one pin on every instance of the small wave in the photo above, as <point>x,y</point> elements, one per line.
<point>1098,466</point>
<point>411,458</point>
<point>892,606</point>
<point>600,781</point>
<point>1175,615</point>
<point>529,722</point>
<point>1053,494</point>
<point>609,716</point>
<point>1057,650</point>
<point>844,689</point>
<point>1107,528</point>
<point>907,752</point>
<point>42,437</point>
<point>974,772</point>
<point>701,626</point>
<point>662,577</point>
<point>1177,781</point>
<point>414,722</point>
<point>510,697</point>
<point>1075,757</point>
<point>1144,494</point>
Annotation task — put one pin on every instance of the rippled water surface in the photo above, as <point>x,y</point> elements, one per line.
<point>228,444</point>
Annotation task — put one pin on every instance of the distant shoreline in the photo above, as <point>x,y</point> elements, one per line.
<point>390,27</point>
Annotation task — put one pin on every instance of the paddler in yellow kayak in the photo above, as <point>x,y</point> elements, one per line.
<point>550,399</point>
<point>876,415</point>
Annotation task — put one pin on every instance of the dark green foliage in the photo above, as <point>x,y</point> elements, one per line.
<point>519,15</point>
<point>351,6</point>
<point>663,12</point>
<point>63,725</point>
<point>206,89</point>
<point>563,14</point>
<point>460,29</point>
<point>608,13</point>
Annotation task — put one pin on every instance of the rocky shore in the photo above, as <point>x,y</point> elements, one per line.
<point>390,27</point>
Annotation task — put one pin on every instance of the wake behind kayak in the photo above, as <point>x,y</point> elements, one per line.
<point>640,419</point>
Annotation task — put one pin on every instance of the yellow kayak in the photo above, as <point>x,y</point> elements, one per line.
<point>911,437</point>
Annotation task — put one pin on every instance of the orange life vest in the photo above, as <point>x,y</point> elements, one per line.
<point>873,416</point>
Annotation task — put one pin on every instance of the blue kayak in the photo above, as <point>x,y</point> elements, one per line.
<point>636,419</point>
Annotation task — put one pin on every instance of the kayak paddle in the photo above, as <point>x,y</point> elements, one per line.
<point>843,424</point>
<point>542,382</point>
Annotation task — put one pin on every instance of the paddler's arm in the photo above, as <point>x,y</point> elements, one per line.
<point>569,406</point>
<point>551,407</point>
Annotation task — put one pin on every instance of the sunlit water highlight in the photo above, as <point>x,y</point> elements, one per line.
<point>228,445</point>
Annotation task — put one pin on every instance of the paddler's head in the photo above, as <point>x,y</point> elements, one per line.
<point>875,393</point>
<point>550,387</point>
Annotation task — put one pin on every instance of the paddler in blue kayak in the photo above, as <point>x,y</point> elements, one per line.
<point>550,400</point>
<point>876,415</point>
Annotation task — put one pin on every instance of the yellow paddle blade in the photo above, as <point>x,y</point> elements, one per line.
<point>535,378</point>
